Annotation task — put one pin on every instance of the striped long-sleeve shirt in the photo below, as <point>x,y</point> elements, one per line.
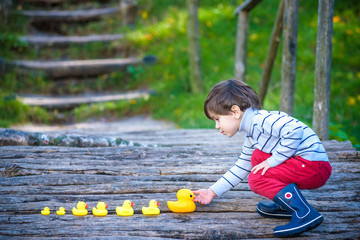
<point>272,132</point>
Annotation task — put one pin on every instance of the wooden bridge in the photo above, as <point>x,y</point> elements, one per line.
<point>33,177</point>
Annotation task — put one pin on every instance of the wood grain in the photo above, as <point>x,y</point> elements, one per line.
<point>33,177</point>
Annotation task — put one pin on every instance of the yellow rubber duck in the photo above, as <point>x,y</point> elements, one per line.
<point>61,211</point>
<point>126,209</point>
<point>100,209</point>
<point>46,211</point>
<point>152,209</point>
<point>185,202</point>
<point>81,209</point>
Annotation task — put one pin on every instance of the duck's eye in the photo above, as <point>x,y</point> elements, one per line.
<point>190,195</point>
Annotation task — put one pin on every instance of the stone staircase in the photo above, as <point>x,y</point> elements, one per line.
<point>46,18</point>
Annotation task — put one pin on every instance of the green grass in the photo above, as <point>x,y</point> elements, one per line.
<point>161,31</point>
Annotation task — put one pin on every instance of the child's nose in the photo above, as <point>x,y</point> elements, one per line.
<point>217,125</point>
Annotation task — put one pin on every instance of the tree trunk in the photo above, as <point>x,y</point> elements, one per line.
<point>323,69</point>
<point>273,46</point>
<point>289,56</point>
<point>194,47</point>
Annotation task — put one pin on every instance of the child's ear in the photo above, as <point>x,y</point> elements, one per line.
<point>236,111</point>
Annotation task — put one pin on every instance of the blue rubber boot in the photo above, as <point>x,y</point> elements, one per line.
<point>269,209</point>
<point>304,216</point>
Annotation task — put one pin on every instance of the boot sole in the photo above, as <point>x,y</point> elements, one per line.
<point>273,215</point>
<point>299,230</point>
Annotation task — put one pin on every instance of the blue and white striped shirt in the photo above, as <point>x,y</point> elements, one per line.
<point>272,132</point>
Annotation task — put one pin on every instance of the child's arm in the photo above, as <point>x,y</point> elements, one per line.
<point>231,178</point>
<point>238,172</point>
<point>204,196</point>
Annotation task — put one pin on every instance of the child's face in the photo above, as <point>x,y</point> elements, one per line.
<point>228,124</point>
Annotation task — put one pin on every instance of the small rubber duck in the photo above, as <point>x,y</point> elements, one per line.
<point>61,211</point>
<point>46,211</point>
<point>126,209</point>
<point>100,209</point>
<point>152,209</point>
<point>81,209</point>
<point>185,202</point>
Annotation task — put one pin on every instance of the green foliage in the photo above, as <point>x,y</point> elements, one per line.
<point>111,110</point>
<point>12,42</point>
<point>12,110</point>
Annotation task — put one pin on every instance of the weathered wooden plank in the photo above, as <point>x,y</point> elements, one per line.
<point>183,226</point>
<point>48,41</point>
<point>74,15</point>
<point>67,102</point>
<point>58,1</point>
<point>13,137</point>
<point>64,176</point>
<point>238,200</point>
<point>66,68</point>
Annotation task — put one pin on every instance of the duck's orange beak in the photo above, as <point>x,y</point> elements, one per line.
<point>106,206</point>
<point>86,206</point>
<point>132,204</point>
<point>157,203</point>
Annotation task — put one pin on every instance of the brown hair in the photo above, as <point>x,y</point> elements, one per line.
<point>227,93</point>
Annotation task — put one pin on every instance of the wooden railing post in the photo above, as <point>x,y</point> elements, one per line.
<point>128,11</point>
<point>194,47</point>
<point>243,12</point>
<point>241,45</point>
<point>323,69</point>
<point>288,72</point>
<point>271,55</point>
<point>5,6</point>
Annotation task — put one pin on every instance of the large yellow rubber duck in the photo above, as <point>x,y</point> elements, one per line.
<point>100,209</point>
<point>126,209</point>
<point>185,202</point>
<point>61,211</point>
<point>46,211</point>
<point>81,209</point>
<point>152,209</point>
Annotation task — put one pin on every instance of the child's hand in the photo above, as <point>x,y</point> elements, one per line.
<point>204,196</point>
<point>264,165</point>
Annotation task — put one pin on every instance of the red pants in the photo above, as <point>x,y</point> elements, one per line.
<point>305,174</point>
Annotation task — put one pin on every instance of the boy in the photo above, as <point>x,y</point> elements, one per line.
<point>280,155</point>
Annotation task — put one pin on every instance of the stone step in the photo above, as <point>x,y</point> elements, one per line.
<point>68,16</point>
<point>68,102</point>
<point>49,41</point>
<point>74,68</point>
<point>57,1</point>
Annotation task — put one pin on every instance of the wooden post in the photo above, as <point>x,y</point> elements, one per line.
<point>128,11</point>
<point>241,37</point>
<point>289,56</point>
<point>5,6</point>
<point>271,55</point>
<point>241,45</point>
<point>323,69</point>
<point>194,47</point>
